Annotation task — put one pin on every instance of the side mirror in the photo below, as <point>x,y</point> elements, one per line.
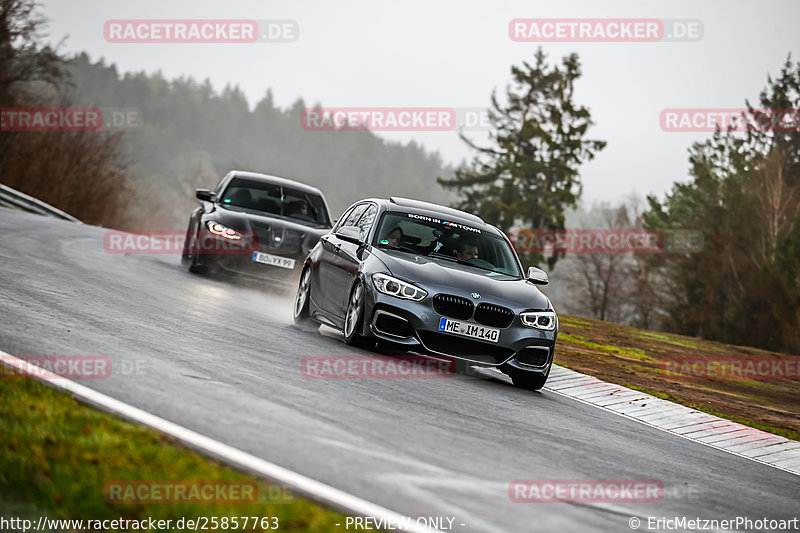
<point>537,276</point>
<point>349,234</point>
<point>205,195</point>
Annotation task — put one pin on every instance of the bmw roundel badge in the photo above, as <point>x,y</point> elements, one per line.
<point>476,296</point>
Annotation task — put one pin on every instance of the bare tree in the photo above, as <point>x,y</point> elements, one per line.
<point>777,203</point>
<point>81,172</point>
<point>645,281</point>
<point>598,279</point>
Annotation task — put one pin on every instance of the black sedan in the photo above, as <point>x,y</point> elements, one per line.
<point>255,225</point>
<point>432,279</point>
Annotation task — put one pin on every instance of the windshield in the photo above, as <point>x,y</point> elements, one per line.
<point>447,241</point>
<point>258,197</point>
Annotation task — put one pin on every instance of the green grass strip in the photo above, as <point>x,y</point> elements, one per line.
<point>637,353</point>
<point>57,456</point>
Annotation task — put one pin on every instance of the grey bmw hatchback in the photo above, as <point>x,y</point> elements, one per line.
<point>434,280</point>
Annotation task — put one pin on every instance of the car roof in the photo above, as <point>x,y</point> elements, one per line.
<point>436,208</point>
<point>408,205</point>
<point>285,182</point>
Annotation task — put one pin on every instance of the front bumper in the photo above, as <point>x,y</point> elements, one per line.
<point>240,263</point>
<point>416,324</point>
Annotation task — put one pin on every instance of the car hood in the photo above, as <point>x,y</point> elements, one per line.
<point>438,276</point>
<point>274,234</point>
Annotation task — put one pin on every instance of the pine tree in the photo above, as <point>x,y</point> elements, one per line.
<point>530,172</point>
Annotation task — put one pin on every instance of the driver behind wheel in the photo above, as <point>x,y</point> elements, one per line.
<point>467,250</point>
<point>299,209</point>
<point>394,237</point>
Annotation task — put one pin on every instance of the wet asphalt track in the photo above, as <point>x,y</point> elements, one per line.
<point>224,360</point>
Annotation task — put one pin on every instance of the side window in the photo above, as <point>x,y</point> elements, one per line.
<point>354,215</point>
<point>340,221</point>
<point>366,220</point>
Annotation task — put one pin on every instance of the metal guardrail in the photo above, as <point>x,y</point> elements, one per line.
<point>13,198</point>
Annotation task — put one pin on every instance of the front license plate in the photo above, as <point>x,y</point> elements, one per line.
<point>466,329</point>
<point>274,260</point>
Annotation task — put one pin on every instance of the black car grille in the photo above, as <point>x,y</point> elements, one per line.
<point>274,236</point>
<point>466,348</point>
<point>533,356</point>
<point>493,315</point>
<point>453,306</point>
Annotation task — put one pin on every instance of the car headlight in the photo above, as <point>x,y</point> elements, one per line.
<point>223,231</point>
<point>397,288</point>
<point>545,320</point>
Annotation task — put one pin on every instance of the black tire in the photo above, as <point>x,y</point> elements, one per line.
<point>527,380</point>
<point>354,319</point>
<point>189,255</point>
<point>186,256</point>
<point>303,298</point>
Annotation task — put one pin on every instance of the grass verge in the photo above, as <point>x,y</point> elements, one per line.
<point>57,457</point>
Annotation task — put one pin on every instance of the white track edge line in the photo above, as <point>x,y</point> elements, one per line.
<point>677,434</point>
<point>315,490</point>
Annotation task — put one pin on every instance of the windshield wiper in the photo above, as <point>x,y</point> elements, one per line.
<point>460,262</point>
<point>400,248</point>
<point>473,265</point>
<point>450,258</point>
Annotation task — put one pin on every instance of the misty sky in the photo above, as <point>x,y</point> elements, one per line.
<point>454,53</point>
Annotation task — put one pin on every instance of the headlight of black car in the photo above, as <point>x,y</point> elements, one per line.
<point>545,320</point>
<point>397,288</point>
<point>223,231</point>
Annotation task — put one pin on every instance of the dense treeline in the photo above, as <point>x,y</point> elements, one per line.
<point>190,135</point>
<point>742,286</point>
<point>744,194</point>
<point>183,135</point>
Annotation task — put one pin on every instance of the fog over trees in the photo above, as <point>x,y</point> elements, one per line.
<point>742,194</point>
